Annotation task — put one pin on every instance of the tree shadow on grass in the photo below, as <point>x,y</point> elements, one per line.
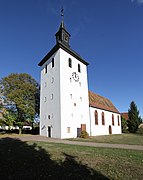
<point>18,160</point>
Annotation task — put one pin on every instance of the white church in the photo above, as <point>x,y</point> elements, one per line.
<point>66,105</point>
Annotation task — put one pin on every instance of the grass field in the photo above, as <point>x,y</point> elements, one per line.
<point>42,160</point>
<point>115,139</point>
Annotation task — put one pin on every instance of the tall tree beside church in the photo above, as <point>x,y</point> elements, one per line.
<point>134,118</point>
<point>22,91</point>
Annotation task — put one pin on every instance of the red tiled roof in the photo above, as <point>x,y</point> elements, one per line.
<point>101,102</point>
<point>125,115</point>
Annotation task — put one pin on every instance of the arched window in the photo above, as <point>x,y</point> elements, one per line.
<point>53,63</point>
<point>52,96</point>
<point>70,63</point>
<point>96,117</point>
<point>46,68</point>
<point>79,69</point>
<point>112,119</point>
<point>45,99</point>
<point>118,121</point>
<point>103,118</point>
<point>68,130</point>
<point>52,79</point>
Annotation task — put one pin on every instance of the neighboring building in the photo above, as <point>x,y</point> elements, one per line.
<point>125,116</point>
<point>65,100</point>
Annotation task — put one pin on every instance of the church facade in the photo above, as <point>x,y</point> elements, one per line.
<point>66,105</point>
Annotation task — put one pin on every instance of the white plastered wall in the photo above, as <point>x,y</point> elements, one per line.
<point>73,116</point>
<point>50,107</point>
<point>104,129</point>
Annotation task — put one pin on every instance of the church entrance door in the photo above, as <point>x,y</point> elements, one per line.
<point>78,132</point>
<point>49,131</point>
<point>110,130</point>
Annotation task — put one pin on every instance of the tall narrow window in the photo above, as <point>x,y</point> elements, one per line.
<point>112,119</point>
<point>70,63</point>
<point>46,68</point>
<point>96,117</point>
<point>118,120</point>
<point>52,62</point>
<point>68,130</point>
<point>52,79</point>
<point>45,99</point>
<point>71,96</point>
<point>79,69</point>
<point>103,118</point>
<point>51,96</point>
<point>45,84</point>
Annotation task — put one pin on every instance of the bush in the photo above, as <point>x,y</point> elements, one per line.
<point>35,130</point>
<point>84,134</point>
<point>140,131</point>
<point>125,131</point>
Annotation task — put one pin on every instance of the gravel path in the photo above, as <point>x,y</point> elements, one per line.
<point>92,144</point>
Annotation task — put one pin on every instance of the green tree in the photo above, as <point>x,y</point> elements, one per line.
<point>140,120</point>
<point>134,118</point>
<point>9,118</point>
<point>123,124</point>
<point>22,92</point>
<point>1,111</point>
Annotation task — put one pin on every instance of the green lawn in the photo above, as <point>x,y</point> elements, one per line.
<point>115,139</point>
<point>42,160</point>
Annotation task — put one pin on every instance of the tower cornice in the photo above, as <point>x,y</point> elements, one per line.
<point>65,48</point>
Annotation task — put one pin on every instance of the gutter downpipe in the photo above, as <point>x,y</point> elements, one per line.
<point>90,121</point>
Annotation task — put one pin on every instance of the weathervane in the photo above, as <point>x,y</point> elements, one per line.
<point>62,13</point>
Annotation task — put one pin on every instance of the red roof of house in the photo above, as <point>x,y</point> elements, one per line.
<point>100,102</point>
<point>125,115</point>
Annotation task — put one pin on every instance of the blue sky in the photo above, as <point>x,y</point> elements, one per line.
<point>106,33</point>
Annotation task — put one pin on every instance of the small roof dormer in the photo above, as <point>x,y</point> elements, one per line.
<point>63,35</point>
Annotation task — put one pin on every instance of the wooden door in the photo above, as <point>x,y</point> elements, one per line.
<point>78,132</point>
<point>110,130</point>
<point>83,127</point>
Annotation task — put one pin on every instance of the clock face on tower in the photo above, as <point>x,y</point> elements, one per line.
<point>75,76</point>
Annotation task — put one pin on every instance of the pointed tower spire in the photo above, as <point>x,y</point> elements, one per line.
<point>62,35</point>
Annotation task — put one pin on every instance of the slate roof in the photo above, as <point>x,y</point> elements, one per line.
<point>60,44</point>
<point>67,49</point>
<point>101,102</point>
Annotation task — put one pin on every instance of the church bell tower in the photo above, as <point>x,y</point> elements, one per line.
<point>64,103</point>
